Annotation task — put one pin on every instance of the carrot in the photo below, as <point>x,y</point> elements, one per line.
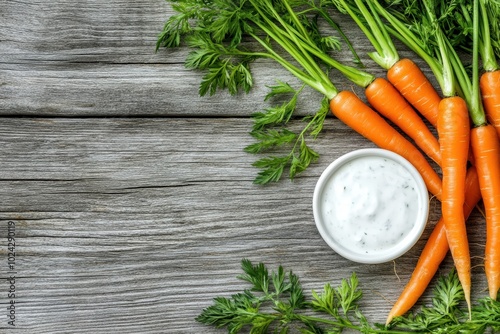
<point>434,252</point>
<point>454,137</point>
<point>412,83</point>
<point>384,98</point>
<point>351,110</point>
<point>486,150</point>
<point>489,83</point>
<point>484,138</point>
<point>452,122</point>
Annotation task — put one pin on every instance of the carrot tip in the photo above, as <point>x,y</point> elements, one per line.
<point>493,293</point>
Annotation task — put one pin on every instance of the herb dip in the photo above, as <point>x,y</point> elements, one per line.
<point>370,204</point>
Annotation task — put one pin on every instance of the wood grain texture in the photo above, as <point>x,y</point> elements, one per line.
<point>90,58</point>
<point>132,196</point>
<point>134,225</point>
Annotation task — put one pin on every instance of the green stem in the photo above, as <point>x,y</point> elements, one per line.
<point>464,84</point>
<point>390,51</point>
<point>306,45</point>
<point>448,88</point>
<point>355,75</point>
<point>301,39</point>
<point>486,49</point>
<point>368,32</point>
<point>335,26</point>
<point>283,39</point>
<point>476,110</point>
<point>386,54</point>
<point>327,89</point>
<point>293,15</point>
<point>294,46</point>
<point>402,33</point>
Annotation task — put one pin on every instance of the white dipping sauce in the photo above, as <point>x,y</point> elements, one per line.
<point>370,204</point>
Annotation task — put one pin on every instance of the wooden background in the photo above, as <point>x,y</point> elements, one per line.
<point>132,198</point>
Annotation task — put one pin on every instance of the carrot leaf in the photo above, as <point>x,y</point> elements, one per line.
<point>280,88</point>
<point>275,302</point>
<point>271,169</point>
<point>270,133</point>
<point>493,9</point>
<point>225,37</point>
<point>306,156</point>
<point>275,115</point>
<point>369,22</point>
<point>443,312</point>
<point>316,121</point>
<point>269,139</point>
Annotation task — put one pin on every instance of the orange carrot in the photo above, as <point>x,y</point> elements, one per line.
<point>485,137</point>
<point>486,148</point>
<point>384,98</point>
<point>412,83</point>
<point>489,83</point>
<point>434,252</point>
<point>454,138</point>
<point>351,110</point>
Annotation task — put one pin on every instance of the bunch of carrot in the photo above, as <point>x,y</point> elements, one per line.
<point>404,98</point>
<point>459,140</point>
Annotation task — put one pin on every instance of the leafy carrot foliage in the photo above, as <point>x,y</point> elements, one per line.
<point>226,36</point>
<point>275,302</point>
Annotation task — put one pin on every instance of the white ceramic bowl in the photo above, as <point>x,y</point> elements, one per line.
<point>337,215</point>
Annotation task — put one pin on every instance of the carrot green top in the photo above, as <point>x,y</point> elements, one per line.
<point>226,36</point>
<point>368,20</point>
<point>217,30</point>
<point>485,37</point>
<point>421,30</point>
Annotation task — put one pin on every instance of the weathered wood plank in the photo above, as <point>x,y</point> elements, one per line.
<point>134,225</point>
<point>72,58</point>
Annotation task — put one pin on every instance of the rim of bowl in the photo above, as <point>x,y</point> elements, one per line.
<point>401,247</point>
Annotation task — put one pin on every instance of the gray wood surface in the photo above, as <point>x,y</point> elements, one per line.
<point>132,198</point>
